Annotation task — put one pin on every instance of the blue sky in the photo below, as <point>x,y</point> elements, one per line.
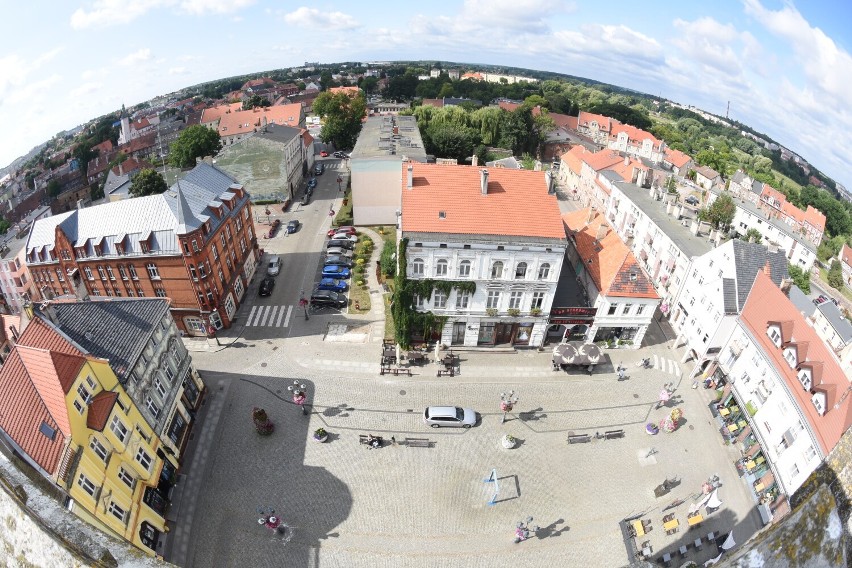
<point>784,66</point>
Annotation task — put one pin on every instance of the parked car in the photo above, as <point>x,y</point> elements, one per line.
<point>338,230</point>
<point>319,168</point>
<point>274,266</point>
<point>692,200</point>
<point>342,243</point>
<point>335,271</point>
<point>343,155</point>
<point>306,199</point>
<point>345,237</point>
<point>324,154</point>
<point>266,286</point>
<point>338,261</point>
<point>450,416</point>
<point>293,226</point>
<point>312,183</point>
<point>332,284</point>
<point>338,251</point>
<point>327,298</point>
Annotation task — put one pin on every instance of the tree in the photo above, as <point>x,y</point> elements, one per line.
<point>53,188</point>
<point>342,116</point>
<point>720,213</point>
<point>835,275</point>
<point>147,182</point>
<point>196,141</point>
<point>255,101</point>
<point>450,141</point>
<point>753,236</point>
<point>801,278</point>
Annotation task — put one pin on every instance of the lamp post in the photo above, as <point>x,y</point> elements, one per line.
<point>299,396</point>
<point>339,181</point>
<point>507,403</point>
<point>304,303</point>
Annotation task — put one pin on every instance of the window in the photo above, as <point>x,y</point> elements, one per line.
<point>464,269</point>
<point>202,270</point>
<point>60,275</point>
<point>537,300</point>
<point>521,271</point>
<point>440,300</point>
<point>493,299</point>
<point>86,484</point>
<point>161,390</point>
<point>98,448</point>
<point>102,272</point>
<point>515,300</point>
<point>215,252</point>
<point>419,302</point>
<point>88,272</point>
<point>122,272</point>
<point>132,270</point>
<point>153,271</point>
<point>809,454</point>
<point>441,268</point>
<point>79,406</point>
<point>110,273</point>
<point>612,309</point>
<point>152,407</point>
<point>790,357</point>
<point>497,270</point>
<point>462,300</point>
<point>160,292</point>
<point>544,271</point>
<point>626,309</point>
<point>222,238</point>
<point>119,429</point>
<point>639,309</point>
<point>793,471</point>
<point>117,511</point>
<point>192,272</point>
<point>773,334</point>
<point>126,477</point>
<point>194,245</point>
<point>185,248</point>
<point>417,267</point>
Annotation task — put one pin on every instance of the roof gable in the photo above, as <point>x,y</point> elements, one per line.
<point>99,410</point>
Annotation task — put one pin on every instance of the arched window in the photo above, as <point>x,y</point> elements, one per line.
<point>417,267</point>
<point>497,270</point>
<point>464,269</point>
<point>521,271</point>
<point>544,271</point>
<point>441,268</point>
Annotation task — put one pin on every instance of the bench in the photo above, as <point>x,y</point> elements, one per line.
<point>579,439</point>
<point>394,370</point>
<point>611,434</point>
<point>451,372</point>
<point>418,442</point>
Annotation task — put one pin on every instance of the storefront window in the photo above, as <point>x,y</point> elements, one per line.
<point>524,333</point>
<point>486,333</point>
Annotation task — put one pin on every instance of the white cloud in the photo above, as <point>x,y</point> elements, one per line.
<point>178,71</point>
<point>109,12</point>
<point>525,16</point>
<point>203,7</point>
<point>16,72</point>
<point>136,57</point>
<point>313,18</point>
<point>86,89</point>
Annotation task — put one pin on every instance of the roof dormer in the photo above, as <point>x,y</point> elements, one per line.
<point>780,332</point>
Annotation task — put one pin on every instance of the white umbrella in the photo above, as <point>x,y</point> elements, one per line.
<point>713,502</point>
<point>713,561</point>
<point>729,542</point>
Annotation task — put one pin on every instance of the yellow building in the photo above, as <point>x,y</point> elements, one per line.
<point>70,418</point>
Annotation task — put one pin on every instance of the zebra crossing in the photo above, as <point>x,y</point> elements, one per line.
<point>269,316</point>
<point>665,365</point>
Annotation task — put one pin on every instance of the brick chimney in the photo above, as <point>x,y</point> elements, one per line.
<point>410,180</point>
<point>483,182</point>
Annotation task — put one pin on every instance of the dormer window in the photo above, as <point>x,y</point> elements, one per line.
<point>775,335</point>
<point>790,357</point>
<point>805,378</point>
<point>818,399</point>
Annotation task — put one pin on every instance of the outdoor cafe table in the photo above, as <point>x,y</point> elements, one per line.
<point>742,423</point>
<point>724,412</point>
<point>732,428</point>
<point>672,524</point>
<point>750,465</point>
<point>694,520</point>
<point>637,526</point>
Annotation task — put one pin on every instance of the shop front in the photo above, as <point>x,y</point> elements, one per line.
<point>475,332</point>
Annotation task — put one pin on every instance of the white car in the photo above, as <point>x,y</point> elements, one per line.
<point>449,416</point>
<point>345,236</point>
<point>274,266</point>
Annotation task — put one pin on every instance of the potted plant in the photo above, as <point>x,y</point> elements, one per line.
<point>535,311</point>
<point>514,312</point>
<point>262,423</point>
<point>320,435</point>
<point>508,441</point>
<point>491,312</point>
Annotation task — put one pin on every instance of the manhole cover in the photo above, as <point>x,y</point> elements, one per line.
<point>263,364</point>
<point>691,427</point>
<point>402,393</point>
<point>635,395</point>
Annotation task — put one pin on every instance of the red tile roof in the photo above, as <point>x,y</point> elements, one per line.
<point>39,334</point>
<point>100,409</point>
<point>613,268</point>
<point>352,91</point>
<point>517,203</point>
<point>634,135</point>
<point>586,118</point>
<point>507,106</point>
<point>247,120</point>
<point>103,147</point>
<point>213,114</point>
<point>564,120</point>
<point>131,165</point>
<point>767,303</point>
<point>677,158</point>
<point>602,160</point>
<point>815,217</point>
<point>846,255</point>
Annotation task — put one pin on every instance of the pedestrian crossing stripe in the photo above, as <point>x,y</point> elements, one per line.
<point>269,316</point>
<point>666,365</point>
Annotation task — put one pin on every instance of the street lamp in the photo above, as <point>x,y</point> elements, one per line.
<point>507,403</point>
<point>339,181</point>
<point>299,396</point>
<point>523,528</point>
<point>304,303</point>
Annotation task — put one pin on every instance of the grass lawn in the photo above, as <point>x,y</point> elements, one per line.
<point>389,329</point>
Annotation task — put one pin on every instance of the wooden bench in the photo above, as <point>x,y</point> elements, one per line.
<point>418,442</point>
<point>609,435</point>
<point>386,369</point>
<point>579,439</point>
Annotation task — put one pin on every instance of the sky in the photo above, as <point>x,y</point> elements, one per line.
<point>784,66</point>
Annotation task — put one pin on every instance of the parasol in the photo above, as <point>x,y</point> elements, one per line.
<point>713,502</point>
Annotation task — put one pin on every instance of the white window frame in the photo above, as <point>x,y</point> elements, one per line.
<point>418,267</point>
<point>117,511</point>
<point>464,269</point>
<point>515,299</point>
<point>495,273</point>
<point>143,459</point>
<point>99,449</point>
<point>518,274</point>
<point>442,267</point>
<point>544,271</point>
<point>493,299</point>
<point>153,271</point>
<point>87,485</point>
<point>439,300</point>
<point>118,428</point>
<point>127,477</point>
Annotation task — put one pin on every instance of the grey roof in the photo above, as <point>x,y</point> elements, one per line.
<point>804,304</point>
<point>377,140</point>
<point>757,187</point>
<point>729,295</point>
<point>509,163</point>
<point>840,324</point>
<point>115,329</point>
<point>162,216</point>
<point>612,175</point>
<point>738,177</point>
<point>279,133</point>
<point>684,240</point>
<point>749,258</point>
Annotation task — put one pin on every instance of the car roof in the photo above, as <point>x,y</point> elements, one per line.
<point>442,411</point>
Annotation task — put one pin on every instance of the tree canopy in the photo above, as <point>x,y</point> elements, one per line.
<point>720,213</point>
<point>147,182</point>
<point>196,141</point>
<point>341,114</point>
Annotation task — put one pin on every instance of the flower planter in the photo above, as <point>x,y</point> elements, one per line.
<point>320,435</point>
<point>508,442</point>
<point>321,439</point>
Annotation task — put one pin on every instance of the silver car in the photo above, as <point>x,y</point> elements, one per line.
<point>449,416</point>
<point>274,266</point>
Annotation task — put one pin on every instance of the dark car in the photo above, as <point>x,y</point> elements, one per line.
<point>319,168</point>
<point>266,286</point>
<point>340,243</point>
<point>692,200</point>
<point>306,199</point>
<point>312,183</point>
<point>342,155</point>
<point>336,260</point>
<point>327,298</point>
<point>293,226</point>
<point>332,284</point>
<point>335,271</point>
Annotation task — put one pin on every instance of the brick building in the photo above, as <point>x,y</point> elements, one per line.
<point>193,244</point>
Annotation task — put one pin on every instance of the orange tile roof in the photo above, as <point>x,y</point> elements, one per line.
<point>773,193</point>
<point>602,160</point>
<point>351,90</point>
<point>613,268</point>
<point>307,138</point>
<point>507,106</point>
<point>564,120</point>
<point>846,255</point>
<point>41,335</point>
<point>213,114</point>
<point>625,168</point>
<point>103,147</point>
<point>767,303</point>
<point>100,409</point>
<point>604,122</point>
<point>517,203</point>
<point>30,395</point>
<point>677,158</point>
<point>634,135</point>
<point>477,76</point>
<point>247,120</point>
<point>815,217</point>
<point>573,158</point>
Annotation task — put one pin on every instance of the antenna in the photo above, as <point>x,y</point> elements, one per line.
<point>728,111</point>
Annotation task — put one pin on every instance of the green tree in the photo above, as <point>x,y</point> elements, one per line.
<point>194,142</point>
<point>147,182</point>
<point>326,81</point>
<point>720,213</point>
<point>753,236</point>
<point>447,140</point>
<point>835,275</point>
<point>255,101</point>
<point>53,188</point>
<point>341,116</point>
<point>369,84</point>
<point>801,278</point>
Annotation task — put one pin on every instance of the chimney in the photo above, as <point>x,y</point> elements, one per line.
<point>79,204</point>
<point>548,179</point>
<point>591,215</point>
<point>474,160</point>
<point>772,246</point>
<point>483,183</point>
<point>49,312</point>
<point>626,160</point>
<point>602,231</point>
<point>785,285</point>
<point>767,269</point>
<point>410,182</point>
